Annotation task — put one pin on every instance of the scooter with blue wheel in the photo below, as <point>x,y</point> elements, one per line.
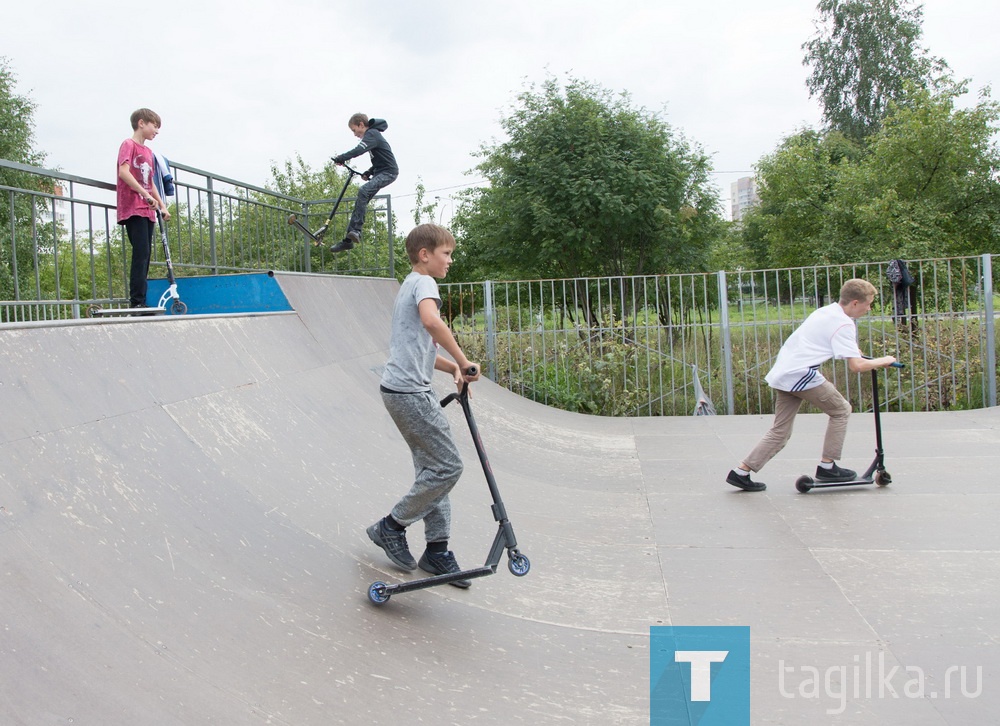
<point>518,564</point>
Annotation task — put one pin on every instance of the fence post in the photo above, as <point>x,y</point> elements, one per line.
<point>391,235</point>
<point>211,225</point>
<point>491,331</point>
<point>990,367</point>
<point>727,349</point>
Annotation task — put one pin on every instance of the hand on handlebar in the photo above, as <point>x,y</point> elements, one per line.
<point>469,375</point>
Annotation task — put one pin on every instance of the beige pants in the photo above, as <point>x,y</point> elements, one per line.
<point>826,398</point>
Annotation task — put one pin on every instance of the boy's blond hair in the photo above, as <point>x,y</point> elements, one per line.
<point>857,289</point>
<point>426,237</point>
<point>144,114</point>
<point>358,118</point>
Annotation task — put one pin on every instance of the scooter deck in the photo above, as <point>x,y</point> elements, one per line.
<point>435,580</point>
<point>880,478</point>
<point>294,221</point>
<point>124,312</point>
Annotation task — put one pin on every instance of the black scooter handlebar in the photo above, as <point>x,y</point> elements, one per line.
<point>470,371</point>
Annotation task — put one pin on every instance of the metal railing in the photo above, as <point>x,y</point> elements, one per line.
<point>62,249</point>
<point>636,345</point>
<point>618,346</point>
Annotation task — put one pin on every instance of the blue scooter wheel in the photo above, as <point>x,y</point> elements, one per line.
<point>519,565</point>
<point>377,593</point>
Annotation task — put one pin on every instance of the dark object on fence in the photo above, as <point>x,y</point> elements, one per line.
<point>904,297</point>
<point>704,407</point>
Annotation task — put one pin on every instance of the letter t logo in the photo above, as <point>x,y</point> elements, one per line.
<point>701,670</point>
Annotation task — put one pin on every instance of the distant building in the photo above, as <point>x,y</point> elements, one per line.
<point>744,196</point>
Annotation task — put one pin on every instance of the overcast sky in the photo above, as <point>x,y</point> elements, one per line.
<point>240,85</point>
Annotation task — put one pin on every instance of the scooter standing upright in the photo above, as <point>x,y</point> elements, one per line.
<point>177,307</point>
<point>876,473</point>
<point>518,564</point>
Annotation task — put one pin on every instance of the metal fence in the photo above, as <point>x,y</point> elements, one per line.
<point>615,346</point>
<point>642,345</point>
<point>64,251</point>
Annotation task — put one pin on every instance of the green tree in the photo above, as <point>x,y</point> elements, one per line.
<point>797,184</point>
<point>862,56</point>
<point>586,185</point>
<point>928,186</point>
<point>17,145</point>
<point>924,185</point>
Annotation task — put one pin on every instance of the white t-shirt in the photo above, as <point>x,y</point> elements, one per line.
<point>827,333</point>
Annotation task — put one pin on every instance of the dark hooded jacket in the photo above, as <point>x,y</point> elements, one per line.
<point>374,143</point>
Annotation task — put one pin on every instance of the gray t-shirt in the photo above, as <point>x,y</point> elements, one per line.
<point>412,350</point>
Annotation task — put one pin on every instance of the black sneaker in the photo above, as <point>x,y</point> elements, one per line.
<point>342,246</point>
<point>354,237</point>
<point>744,482</point>
<point>394,544</point>
<point>442,563</point>
<point>835,473</point>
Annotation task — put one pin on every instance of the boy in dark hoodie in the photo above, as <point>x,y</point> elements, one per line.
<point>382,173</point>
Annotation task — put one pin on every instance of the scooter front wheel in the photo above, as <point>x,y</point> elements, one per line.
<point>882,478</point>
<point>179,308</point>
<point>519,565</point>
<point>804,484</point>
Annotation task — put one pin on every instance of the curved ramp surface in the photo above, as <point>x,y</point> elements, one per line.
<point>182,512</point>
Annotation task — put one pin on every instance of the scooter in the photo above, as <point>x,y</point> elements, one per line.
<point>518,564</point>
<point>319,234</point>
<point>876,473</point>
<point>177,307</point>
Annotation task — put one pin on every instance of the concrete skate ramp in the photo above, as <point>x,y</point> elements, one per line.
<point>182,513</point>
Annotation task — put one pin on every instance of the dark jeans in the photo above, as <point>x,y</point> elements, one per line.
<point>140,236</point>
<point>365,194</point>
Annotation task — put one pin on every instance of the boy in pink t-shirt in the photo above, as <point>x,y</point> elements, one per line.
<point>138,199</point>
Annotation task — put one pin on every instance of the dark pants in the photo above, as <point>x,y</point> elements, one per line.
<point>140,236</point>
<point>365,195</point>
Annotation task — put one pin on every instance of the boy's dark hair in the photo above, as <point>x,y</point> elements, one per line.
<point>358,118</point>
<point>426,237</point>
<point>144,114</point>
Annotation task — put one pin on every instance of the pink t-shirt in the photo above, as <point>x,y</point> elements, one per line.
<point>140,160</point>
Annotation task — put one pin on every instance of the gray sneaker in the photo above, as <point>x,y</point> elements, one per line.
<point>442,563</point>
<point>394,544</point>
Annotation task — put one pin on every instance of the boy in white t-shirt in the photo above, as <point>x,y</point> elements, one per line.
<point>829,332</point>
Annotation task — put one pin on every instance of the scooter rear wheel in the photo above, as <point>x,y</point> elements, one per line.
<point>804,484</point>
<point>377,593</point>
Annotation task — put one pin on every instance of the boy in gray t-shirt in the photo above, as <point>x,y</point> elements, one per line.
<point>417,332</point>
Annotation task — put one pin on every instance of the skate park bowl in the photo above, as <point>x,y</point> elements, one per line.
<point>183,504</point>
